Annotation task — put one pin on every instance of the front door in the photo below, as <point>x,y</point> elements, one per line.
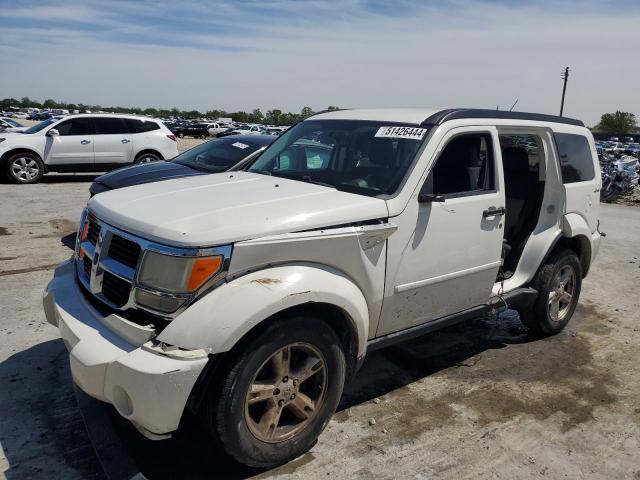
<point>445,256</point>
<point>74,144</point>
<point>113,142</point>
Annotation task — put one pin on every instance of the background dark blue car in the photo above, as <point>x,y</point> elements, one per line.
<point>214,156</point>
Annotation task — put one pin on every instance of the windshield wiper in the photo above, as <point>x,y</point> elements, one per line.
<point>263,172</point>
<point>308,179</point>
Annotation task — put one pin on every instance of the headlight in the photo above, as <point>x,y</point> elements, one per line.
<point>177,274</point>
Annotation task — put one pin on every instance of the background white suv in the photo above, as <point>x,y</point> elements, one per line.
<point>83,143</point>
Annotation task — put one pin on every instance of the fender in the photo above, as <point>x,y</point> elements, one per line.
<point>220,319</point>
<point>574,224</point>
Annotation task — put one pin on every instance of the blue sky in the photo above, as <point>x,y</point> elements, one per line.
<point>352,53</point>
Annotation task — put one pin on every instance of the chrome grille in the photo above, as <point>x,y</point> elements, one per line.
<point>107,263</point>
<point>93,231</point>
<point>124,251</point>
<point>115,289</point>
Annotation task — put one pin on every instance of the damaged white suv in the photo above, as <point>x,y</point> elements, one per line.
<point>248,298</point>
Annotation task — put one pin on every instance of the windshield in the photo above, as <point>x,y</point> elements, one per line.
<point>39,126</point>
<point>364,157</point>
<point>217,155</point>
<point>12,122</point>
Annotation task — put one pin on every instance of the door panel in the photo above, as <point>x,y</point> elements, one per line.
<point>113,148</point>
<point>73,145</point>
<point>113,142</point>
<point>445,256</point>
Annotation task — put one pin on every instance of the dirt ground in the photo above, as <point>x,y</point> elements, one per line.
<point>479,400</point>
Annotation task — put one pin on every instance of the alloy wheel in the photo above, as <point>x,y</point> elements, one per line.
<point>561,294</point>
<point>286,393</point>
<point>24,169</point>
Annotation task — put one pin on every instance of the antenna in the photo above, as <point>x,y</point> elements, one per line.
<point>565,77</point>
<point>514,104</point>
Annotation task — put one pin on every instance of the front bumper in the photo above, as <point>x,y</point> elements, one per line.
<point>110,359</point>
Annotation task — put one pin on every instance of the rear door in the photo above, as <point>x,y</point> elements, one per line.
<point>112,142</point>
<point>74,145</point>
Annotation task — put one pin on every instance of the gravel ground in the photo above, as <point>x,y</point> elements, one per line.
<point>479,400</point>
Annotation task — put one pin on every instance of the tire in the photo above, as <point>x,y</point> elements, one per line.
<point>560,275</point>
<point>147,157</point>
<point>24,168</point>
<point>181,135</point>
<point>243,426</point>
<point>203,136</point>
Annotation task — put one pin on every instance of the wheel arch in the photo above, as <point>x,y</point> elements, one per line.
<point>148,150</point>
<point>576,236</point>
<point>224,318</point>
<point>5,156</point>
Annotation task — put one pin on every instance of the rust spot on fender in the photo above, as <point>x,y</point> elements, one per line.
<point>267,281</point>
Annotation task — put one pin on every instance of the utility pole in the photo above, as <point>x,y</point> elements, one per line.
<point>565,77</point>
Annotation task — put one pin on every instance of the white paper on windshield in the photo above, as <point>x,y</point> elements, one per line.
<point>412,133</point>
<point>240,145</point>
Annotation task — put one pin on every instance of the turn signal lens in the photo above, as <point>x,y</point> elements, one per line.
<point>202,270</point>
<point>85,229</point>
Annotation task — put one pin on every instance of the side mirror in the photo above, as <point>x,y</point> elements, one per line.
<point>430,198</point>
<point>53,132</point>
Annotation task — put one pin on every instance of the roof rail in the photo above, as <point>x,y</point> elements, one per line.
<point>461,113</point>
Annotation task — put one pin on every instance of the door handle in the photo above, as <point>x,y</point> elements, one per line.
<point>125,140</point>
<point>493,212</point>
<point>85,142</point>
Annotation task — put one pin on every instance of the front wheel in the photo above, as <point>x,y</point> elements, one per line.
<point>24,168</point>
<point>279,393</point>
<point>558,283</point>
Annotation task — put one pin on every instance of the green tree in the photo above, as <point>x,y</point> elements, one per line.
<point>331,107</point>
<point>273,116</point>
<point>25,102</point>
<point>256,116</point>
<point>618,122</point>
<point>306,112</point>
<point>50,103</point>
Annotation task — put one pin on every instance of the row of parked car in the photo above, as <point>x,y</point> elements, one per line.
<point>182,129</point>
<point>612,146</point>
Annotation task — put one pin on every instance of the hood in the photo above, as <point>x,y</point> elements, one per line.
<point>222,208</point>
<point>145,173</point>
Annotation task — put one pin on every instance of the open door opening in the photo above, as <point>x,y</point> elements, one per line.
<point>524,176</point>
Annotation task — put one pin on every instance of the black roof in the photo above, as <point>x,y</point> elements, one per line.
<point>460,113</point>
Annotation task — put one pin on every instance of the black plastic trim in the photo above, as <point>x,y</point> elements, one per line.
<point>463,113</point>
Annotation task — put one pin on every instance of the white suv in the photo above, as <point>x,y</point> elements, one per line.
<point>249,298</point>
<point>83,143</point>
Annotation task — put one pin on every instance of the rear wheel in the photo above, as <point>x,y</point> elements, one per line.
<point>558,283</point>
<point>147,157</point>
<point>24,168</point>
<point>181,135</point>
<point>279,393</point>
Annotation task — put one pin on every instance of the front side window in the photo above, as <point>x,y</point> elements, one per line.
<point>576,162</point>
<point>364,157</point>
<point>466,165</point>
<point>76,126</point>
<point>110,126</point>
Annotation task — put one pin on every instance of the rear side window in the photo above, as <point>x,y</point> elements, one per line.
<point>576,162</point>
<point>76,126</point>
<point>140,126</point>
<point>110,126</point>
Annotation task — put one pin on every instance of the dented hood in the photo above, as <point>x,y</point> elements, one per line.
<point>223,208</point>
